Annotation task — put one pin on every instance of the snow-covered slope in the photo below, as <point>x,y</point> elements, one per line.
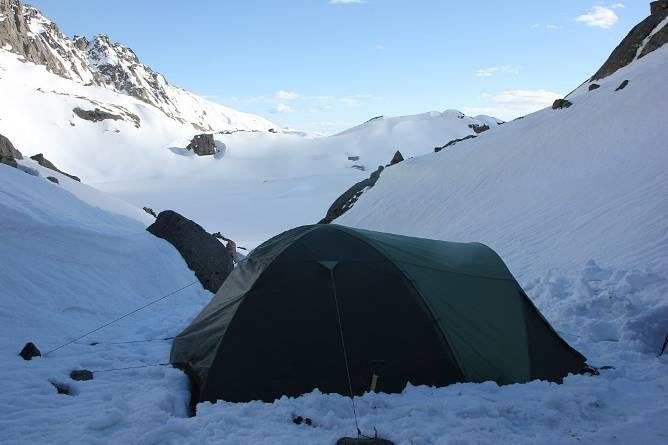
<point>257,185</point>
<point>73,259</point>
<point>101,62</point>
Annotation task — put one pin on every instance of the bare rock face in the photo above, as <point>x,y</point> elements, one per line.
<point>627,51</point>
<point>8,154</point>
<point>202,145</point>
<point>204,254</point>
<point>41,160</point>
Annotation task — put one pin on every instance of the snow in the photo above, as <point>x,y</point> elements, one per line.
<point>574,200</point>
<point>260,184</point>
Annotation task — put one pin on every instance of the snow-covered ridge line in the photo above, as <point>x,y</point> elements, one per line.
<point>24,30</point>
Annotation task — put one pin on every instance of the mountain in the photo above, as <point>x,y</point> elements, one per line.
<point>100,62</point>
<point>93,109</point>
<point>573,198</point>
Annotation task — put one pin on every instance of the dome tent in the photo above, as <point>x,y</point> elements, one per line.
<point>406,309</point>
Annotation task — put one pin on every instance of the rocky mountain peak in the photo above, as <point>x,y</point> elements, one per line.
<point>25,31</point>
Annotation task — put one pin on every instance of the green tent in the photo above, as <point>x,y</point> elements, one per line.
<point>318,302</point>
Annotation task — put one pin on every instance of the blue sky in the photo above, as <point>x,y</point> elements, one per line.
<point>326,65</point>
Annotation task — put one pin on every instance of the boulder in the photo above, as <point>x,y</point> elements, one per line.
<point>30,351</point>
<point>594,86</point>
<point>8,154</point>
<point>397,158</point>
<point>53,179</point>
<point>345,202</point>
<point>202,145</point>
<point>203,253</point>
<point>561,103</point>
<point>41,160</point>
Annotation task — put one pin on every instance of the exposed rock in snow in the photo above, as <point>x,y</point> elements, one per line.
<point>202,145</point>
<point>345,202</point>
<point>41,160</point>
<point>397,158</point>
<point>622,85</point>
<point>645,37</point>
<point>561,103</point>
<point>203,253</point>
<point>453,142</point>
<point>53,179</point>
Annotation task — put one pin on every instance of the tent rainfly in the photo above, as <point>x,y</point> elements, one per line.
<point>402,309</point>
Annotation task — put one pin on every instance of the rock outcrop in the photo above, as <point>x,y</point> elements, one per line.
<point>8,154</point>
<point>202,145</point>
<point>345,202</point>
<point>453,142</point>
<point>95,115</point>
<point>203,253</point>
<point>640,41</point>
<point>397,158</point>
<point>41,160</point>
<point>561,103</point>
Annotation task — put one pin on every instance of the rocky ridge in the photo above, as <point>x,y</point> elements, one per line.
<point>25,31</point>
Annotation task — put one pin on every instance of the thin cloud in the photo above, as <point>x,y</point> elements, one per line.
<point>500,69</point>
<point>510,104</point>
<point>286,95</point>
<point>600,16</point>
<point>282,108</point>
<point>379,46</point>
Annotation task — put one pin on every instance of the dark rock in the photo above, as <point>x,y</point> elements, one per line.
<point>150,211</point>
<point>96,115</point>
<point>53,179</point>
<point>397,158</point>
<point>8,154</point>
<point>353,158</point>
<point>594,86</point>
<point>8,149</point>
<point>626,51</point>
<point>62,388</point>
<point>345,202</point>
<point>29,351</point>
<point>81,375</point>
<point>659,39</point>
<point>203,145</point>
<point>272,130</point>
<point>622,85</point>
<point>358,167</point>
<point>41,160</point>
<point>657,7</point>
<point>453,142</point>
<point>477,129</point>
<point>203,253</point>
<point>561,103</point>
